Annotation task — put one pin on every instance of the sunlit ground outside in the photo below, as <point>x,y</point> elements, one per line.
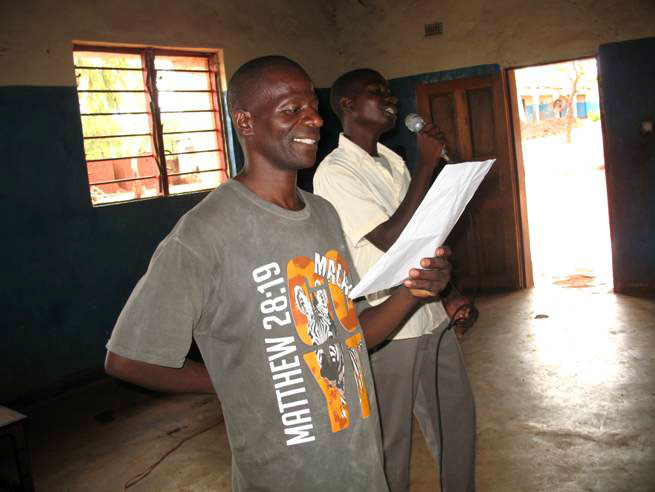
<point>567,208</point>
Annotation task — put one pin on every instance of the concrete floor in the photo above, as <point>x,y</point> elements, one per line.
<point>565,387</point>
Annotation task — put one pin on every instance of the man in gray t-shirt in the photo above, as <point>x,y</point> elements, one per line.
<point>258,275</point>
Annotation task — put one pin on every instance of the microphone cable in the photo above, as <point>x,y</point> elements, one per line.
<point>465,322</point>
<point>414,123</point>
<point>454,322</point>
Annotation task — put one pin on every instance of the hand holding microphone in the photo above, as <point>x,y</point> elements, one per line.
<point>415,123</point>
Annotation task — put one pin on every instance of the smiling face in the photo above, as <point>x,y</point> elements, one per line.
<point>280,123</point>
<point>371,103</point>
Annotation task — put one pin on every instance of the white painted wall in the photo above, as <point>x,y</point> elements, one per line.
<point>36,36</point>
<point>388,35</point>
<point>326,36</point>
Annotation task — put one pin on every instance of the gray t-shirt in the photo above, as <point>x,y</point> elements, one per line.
<point>263,291</point>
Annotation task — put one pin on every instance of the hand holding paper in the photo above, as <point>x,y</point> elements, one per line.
<point>429,227</point>
<point>431,276</point>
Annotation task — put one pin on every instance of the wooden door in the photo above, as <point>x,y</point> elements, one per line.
<point>474,114</point>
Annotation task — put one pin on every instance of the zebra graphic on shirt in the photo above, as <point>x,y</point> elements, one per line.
<point>357,363</point>
<point>321,330</point>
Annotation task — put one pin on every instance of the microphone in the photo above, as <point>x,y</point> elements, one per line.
<point>414,123</point>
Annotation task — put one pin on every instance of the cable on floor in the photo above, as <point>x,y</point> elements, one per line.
<point>136,479</point>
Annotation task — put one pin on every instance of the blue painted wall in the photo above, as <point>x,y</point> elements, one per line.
<point>68,267</point>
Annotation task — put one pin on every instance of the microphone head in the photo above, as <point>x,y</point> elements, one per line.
<point>414,122</point>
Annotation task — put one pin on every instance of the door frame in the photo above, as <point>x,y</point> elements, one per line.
<point>525,253</point>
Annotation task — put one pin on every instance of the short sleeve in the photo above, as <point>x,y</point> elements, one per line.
<point>359,212</point>
<point>156,325</point>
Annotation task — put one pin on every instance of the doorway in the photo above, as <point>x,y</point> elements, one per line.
<point>557,109</point>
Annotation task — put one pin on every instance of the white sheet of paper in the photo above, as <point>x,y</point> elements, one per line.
<point>428,228</point>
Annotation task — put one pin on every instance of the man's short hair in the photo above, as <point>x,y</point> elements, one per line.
<point>344,85</point>
<point>244,81</point>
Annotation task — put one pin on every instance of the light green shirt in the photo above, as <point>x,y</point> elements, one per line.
<point>366,194</point>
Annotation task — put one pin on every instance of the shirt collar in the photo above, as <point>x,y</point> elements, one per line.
<point>355,150</point>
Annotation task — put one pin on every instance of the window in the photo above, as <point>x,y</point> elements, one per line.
<point>151,121</point>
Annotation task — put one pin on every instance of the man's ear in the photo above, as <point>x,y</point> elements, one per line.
<point>243,122</point>
<point>346,104</point>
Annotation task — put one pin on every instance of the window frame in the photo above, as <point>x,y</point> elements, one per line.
<point>153,114</point>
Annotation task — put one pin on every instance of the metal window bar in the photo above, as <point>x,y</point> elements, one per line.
<point>194,152</point>
<point>193,131</point>
<point>118,136</point>
<point>121,158</point>
<point>102,91</point>
<point>183,111</point>
<point>126,69</point>
<point>123,180</point>
<point>114,114</point>
<point>218,169</point>
<point>183,70</point>
<point>175,91</point>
